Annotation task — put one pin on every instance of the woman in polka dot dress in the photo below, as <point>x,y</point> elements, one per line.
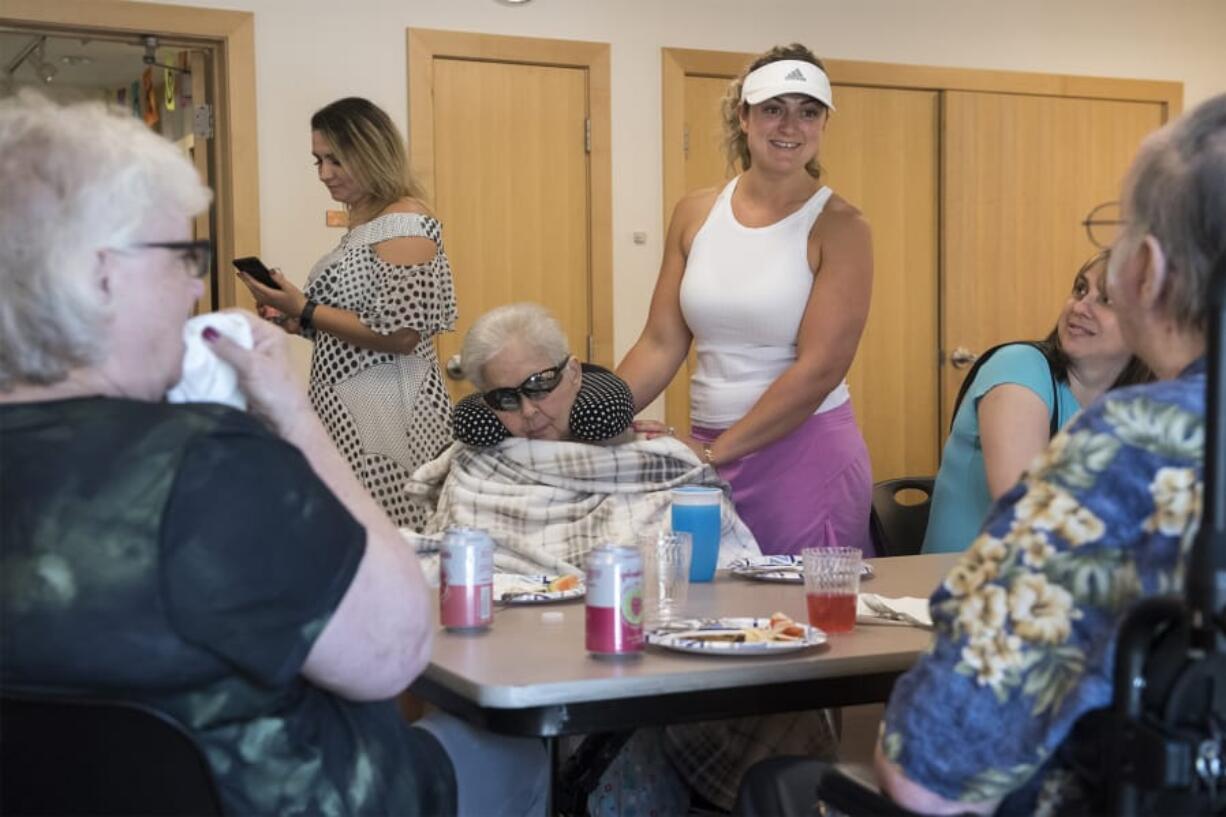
<point>372,307</point>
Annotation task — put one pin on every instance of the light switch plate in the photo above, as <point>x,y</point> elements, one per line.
<point>336,218</point>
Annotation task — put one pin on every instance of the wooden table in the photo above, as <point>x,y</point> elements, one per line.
<point>525,676</point>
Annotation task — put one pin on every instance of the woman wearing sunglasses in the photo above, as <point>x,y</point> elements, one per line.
<point>529,385</point>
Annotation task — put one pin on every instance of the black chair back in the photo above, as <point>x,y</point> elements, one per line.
<point>74,756</point>
<point>898,529</point>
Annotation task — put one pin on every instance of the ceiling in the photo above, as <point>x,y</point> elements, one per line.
<point>79,63</point>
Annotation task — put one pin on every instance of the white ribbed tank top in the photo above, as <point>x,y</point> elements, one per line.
<point>743,295</point>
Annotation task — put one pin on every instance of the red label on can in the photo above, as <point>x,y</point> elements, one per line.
<point>466,580</point>
<point>614,615</point>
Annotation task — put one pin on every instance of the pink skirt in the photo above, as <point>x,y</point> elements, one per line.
<point>812,487</point>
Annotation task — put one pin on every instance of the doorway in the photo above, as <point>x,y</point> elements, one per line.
<point>194,75</point>
<point>510,138</point>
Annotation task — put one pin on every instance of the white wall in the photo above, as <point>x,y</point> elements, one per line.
<point>310,52</point>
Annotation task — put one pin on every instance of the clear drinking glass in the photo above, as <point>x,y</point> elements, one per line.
<point>832,582</point>
<point>666,575</point>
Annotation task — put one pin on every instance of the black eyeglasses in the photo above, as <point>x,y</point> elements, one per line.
<point>1103,225</point>
<point>535,387</point>
<point>197,255</point>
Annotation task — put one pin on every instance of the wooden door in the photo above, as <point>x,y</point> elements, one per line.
<point>880,153</point>
<point>512,191</point>
<point>706,165</point>
<point>201,155</point>
<point>1020,173</point>
<point>510,138</point>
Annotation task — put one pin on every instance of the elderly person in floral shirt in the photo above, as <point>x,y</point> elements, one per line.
<point>1026,622</point>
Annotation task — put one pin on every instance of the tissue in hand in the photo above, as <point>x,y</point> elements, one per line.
<point>206,377</point>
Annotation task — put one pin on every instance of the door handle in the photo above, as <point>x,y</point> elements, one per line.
<point>962,357</point>
<point>453,368</point>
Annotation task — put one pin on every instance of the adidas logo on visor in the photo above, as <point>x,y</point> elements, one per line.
<point>796,74</point>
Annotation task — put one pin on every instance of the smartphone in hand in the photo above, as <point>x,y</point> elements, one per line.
<point>254,267</point>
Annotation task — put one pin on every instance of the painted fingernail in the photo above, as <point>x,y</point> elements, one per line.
<point>209,333</point>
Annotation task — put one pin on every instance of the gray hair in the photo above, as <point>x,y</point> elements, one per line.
<point>73,180</point>
<point>528,324</point>
<point>1177,194</point>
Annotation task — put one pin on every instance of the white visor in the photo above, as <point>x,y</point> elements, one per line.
<point>787,77</point>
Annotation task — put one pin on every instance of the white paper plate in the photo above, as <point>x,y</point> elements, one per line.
<point>511,588</point>
<point>760,568</point>
<point>680,636</point>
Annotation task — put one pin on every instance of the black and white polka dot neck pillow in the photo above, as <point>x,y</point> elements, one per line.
<point>603,409</point>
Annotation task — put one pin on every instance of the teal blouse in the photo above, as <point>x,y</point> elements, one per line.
<point>960,497</point>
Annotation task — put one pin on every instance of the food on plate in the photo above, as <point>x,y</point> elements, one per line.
<point>785,629</point>
<point>780,627</point>
<point>719,636</point>
<point>562,583</point>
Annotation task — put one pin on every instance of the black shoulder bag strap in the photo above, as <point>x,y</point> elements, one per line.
<point>1053,424</point>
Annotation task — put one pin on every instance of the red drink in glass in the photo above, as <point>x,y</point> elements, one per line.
<point>832,612</point>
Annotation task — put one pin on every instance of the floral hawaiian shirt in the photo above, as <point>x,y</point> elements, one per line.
<point>1026,621</point>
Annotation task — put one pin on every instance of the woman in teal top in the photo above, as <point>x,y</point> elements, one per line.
<point>1005,418</point>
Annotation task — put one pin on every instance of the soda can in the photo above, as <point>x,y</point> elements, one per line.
<point>466,579</point>
<point>614,615</point>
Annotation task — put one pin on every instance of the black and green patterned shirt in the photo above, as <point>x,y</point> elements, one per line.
<point>185,557</point>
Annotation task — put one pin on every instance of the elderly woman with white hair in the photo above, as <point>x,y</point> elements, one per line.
<point>529,384</point>
<point>542,418</point>
<point>223,567</point>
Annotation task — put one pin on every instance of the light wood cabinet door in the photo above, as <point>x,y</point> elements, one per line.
<point>1020,174</point>
<point>881,154</point>
<point>705,166</point>
<point>511,191</point>
<point>510,139</point>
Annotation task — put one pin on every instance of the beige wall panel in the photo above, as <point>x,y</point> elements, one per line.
<point>1020,175</point>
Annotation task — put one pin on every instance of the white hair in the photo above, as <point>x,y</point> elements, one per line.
<point>528,324</point>
<point>73,180</point>
<point>1177,193</point>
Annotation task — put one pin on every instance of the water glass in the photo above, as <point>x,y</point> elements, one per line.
<point>666,575</point>
<point>696,511</point>
<point>832,582</point>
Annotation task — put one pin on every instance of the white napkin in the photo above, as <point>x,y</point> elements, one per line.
<point>206,377</point>
<point>906,610</point>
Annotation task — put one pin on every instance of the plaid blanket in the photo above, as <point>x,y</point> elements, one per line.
<point>546,504</point>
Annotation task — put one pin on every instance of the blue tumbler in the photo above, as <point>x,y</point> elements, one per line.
<point>696,511</point>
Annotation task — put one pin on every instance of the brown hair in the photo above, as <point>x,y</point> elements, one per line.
<point>1134,372</point>
<point>736,145</point>
<point>368,145</point>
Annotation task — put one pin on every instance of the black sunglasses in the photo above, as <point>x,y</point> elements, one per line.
<point>535,387</point>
